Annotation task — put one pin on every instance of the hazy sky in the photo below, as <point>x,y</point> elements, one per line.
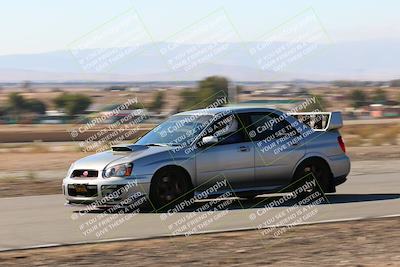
<point>47,25</point>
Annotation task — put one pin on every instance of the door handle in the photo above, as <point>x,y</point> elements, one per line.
<point>243,148</point>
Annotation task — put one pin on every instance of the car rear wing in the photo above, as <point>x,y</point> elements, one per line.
<point>320,121</point>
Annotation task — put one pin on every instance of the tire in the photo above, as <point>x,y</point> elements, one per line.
<point>319,170</point>
<point>168,185</point>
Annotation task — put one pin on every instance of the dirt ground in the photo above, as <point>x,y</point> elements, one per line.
<point>24,187</point>
<point>38,161</point>
<point>358,243</point>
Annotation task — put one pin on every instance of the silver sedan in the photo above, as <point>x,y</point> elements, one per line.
<point>247,151</point>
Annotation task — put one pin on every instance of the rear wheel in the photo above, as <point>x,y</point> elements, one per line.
<point>168,185</point>
<point>318,169</point>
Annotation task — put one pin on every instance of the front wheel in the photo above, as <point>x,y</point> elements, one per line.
<point>167,186</point>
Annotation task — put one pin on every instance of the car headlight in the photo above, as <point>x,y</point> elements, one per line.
<point>120,170</point>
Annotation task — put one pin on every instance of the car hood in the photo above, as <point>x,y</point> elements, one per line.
<point>119,154</point>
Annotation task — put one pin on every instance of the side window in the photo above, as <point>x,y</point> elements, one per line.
<point>259,126</point>
<point>228,130</point>
<point>263,126</point>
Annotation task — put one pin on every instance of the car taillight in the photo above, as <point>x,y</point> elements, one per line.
<point>341,144</point>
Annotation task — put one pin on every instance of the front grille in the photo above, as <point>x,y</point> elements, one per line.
<point>91,191</point>
<point>84,174</point>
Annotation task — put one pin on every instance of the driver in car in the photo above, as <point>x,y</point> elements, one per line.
<point>229,133</point>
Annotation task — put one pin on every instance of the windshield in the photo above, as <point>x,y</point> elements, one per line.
<point>177,130</point>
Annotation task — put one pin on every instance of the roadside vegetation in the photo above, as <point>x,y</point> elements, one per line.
<point>158,102</point>
<point>208,91</point>
<point>360,99</point>
<point>18,104</point>
<point>72,104</point>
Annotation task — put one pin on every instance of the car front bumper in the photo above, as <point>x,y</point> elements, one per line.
<point>104,192</point>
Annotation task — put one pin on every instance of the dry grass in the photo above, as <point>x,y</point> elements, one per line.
<point>376,135</point>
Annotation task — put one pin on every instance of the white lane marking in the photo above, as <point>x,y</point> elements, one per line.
<point>52,245</point>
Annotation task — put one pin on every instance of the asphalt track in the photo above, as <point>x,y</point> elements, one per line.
<point>373,190</point>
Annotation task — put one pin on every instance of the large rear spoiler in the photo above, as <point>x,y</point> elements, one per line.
<point>320,121</point>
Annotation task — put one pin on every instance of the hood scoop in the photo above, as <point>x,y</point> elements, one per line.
<point>128,148</point>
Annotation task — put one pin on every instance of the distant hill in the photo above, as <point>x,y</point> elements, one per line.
<point>366,60</point>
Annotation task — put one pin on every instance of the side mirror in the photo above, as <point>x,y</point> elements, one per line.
<point>209,140</point>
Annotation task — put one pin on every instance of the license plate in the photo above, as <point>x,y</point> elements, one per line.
<point>80,188</point>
